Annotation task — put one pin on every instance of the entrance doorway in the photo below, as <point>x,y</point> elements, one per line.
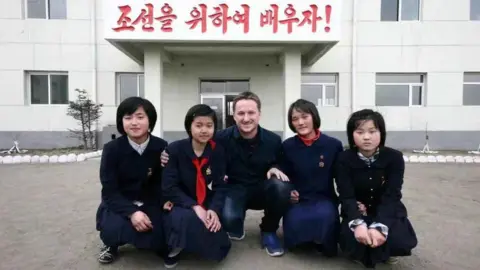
<point>219,95</point>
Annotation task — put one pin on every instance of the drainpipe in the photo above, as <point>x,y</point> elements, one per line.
<point>93,31</point>
<point>354,58</point>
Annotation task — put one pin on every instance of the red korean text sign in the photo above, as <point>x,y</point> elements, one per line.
<point>230,20</point>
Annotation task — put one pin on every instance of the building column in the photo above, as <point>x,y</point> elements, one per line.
<point>153,78</point>
<point>292,78</point>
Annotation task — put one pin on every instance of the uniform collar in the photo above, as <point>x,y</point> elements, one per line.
<point>139,148</point>
<point>369,160</point>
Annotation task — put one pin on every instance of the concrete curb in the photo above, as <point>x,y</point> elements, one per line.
<point>441,159</point>
<point>70,158</point>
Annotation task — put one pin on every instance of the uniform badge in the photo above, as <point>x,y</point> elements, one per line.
<point>149,172</point>
<point>208,171</point>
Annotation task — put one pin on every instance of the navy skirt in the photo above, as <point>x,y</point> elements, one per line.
<point>400,242</point>
<point>116,230</point>
<point>183,229</point>
<point>312,221</point>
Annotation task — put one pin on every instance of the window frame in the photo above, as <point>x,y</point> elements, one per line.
<point>477,83</point>
<point>471,12</point>
<point>118,84</point>
<point>410,89</point>
<point>323,85</point>
<point>47,11</point>
<point>49,74</point>
<point>399,12</point>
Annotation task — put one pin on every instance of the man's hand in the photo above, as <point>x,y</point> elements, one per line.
<point>294,196</point>
<point>168,206</point>
<point>141,222</point>
<point>377,237</point>
<point>279,174</point>
<point>164,158</point>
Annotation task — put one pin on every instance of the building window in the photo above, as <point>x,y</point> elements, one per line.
<point>129,85</point>
<point>48,88</point>
<point>475,10</point>
<point>46,9</point>
<point>400,90</point>
<point>400,10</point>
<point>321,89</point>
<point>471,89</point>
<point>224,86</point>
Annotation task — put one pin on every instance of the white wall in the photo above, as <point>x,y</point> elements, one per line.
<point>181,86</point>
<point>444,45</point>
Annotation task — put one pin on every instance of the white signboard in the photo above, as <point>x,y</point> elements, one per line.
<point>215,20</point>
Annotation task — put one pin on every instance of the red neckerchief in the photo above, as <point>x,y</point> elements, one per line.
<point>309,142</point>
<point>201,187</point>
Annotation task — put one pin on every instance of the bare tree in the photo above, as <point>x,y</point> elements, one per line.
<point>87,113</point>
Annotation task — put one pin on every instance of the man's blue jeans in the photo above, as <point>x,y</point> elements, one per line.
<point>272,196</point>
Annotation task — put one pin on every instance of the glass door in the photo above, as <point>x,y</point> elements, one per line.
<point>217,103</point>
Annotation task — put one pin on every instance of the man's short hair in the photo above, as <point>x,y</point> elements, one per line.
<point>247,95</point>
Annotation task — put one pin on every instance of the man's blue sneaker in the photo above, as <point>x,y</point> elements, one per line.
<point>272,244</point>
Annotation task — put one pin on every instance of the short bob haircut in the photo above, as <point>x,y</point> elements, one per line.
<point>132,104</point>
<point>304,106</point>
<point>359,117</point>
<point>196,111</point>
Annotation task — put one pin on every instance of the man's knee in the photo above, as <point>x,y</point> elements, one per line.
<point>278,190</point>
<point>232,215</point>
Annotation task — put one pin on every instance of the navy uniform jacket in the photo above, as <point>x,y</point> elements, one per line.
<point>378,186</point>
<point>180,175</point>
<point>127,176</point>
<point>311,168</point>
<point>248,161</point>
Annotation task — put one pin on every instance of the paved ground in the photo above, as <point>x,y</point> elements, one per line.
<point>47,222</point>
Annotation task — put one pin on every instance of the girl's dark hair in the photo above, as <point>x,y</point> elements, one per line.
<point>129,106</point>
<point>199,110</point>
<point>304,106</point>
<point>357,118</point>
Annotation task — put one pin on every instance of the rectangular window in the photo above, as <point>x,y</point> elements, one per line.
<point>48,87</point>
<point>400,10</point>
<point>224,86</point>
<point>475,10</point>
<point>471,89</point>
<point>321,89</point>
<point>46,9</point>
<point>400,90</point>
<point>129,85</point>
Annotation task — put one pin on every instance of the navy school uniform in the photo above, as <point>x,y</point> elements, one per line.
<point>310,169</point>
<point>131,182</point>
<point>186,179</point>
<point>377,183</point>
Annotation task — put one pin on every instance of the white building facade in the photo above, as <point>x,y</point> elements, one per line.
<point>416,61</point>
